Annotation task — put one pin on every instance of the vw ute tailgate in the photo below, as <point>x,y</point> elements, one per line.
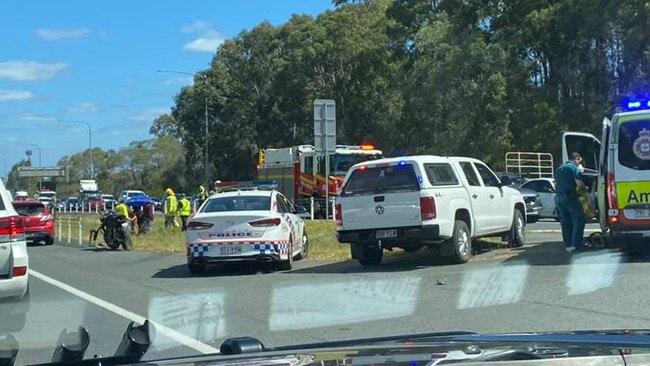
<point>382,195</point>
<point>398,209</point>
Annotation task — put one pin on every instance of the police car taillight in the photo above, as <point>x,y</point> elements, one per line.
<point>427,208</point>
<point>265,222</point>
<point>198,225</point>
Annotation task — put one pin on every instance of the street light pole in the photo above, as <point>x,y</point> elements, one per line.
<point>39,158</point>
<point>90,143</point>
<point>205,149</point>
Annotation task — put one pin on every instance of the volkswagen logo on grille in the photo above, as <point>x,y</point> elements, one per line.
<point>379,210</point>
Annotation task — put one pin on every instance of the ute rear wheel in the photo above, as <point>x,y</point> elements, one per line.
<point>461,242</point>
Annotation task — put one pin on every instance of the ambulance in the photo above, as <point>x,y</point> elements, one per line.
<point>619,164</point>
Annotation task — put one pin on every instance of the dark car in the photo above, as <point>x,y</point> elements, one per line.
<point>533,202</point>
<point>157,204</point>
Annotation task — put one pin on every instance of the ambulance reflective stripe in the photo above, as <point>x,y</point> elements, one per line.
<point>633,193</point>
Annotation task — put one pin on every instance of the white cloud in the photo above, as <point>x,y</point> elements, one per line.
<point>196,27</point>
<point>36,117</point>
<point>84,107</point>
<point>30,70</point>
<point>208,41</point>
<point>148,115</point>
<point>6,95</point>
<point>58,34</point>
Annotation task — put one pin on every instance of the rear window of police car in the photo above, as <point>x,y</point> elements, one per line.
<point>237,203</point>
<point>2,203</point>
<point>399,178</point>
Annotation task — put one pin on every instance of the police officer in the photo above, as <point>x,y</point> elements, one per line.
<point>203,194</point>
<point>184,210</point>
<point>568,177</point>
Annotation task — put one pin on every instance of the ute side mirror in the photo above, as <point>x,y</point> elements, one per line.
<point>505,181</point>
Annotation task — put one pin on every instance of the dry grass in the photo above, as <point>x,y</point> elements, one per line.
<point>322,238</point>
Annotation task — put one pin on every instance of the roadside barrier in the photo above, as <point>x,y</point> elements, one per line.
<point>65,227</point>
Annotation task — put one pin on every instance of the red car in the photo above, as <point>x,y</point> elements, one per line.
<point>38,221</point>
<point>94,203</point>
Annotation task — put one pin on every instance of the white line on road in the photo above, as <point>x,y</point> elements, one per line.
<point>559,231</point>
<point>168,332</point>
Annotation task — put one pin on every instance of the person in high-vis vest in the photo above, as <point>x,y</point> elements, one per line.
<point>171,209</point>
<point>184,210</point>
<point>203,195</point>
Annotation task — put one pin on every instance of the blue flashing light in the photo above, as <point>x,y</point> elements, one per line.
<point>401,163</point>
<point>420,180</point>
<point>632,105</point>
<point>270,182</point>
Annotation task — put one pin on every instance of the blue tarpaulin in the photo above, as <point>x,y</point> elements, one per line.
<point>138,201</point>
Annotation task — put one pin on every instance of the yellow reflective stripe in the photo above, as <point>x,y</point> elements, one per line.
<point>631,193</point>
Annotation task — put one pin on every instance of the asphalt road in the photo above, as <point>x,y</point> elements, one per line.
<point>538,287</point>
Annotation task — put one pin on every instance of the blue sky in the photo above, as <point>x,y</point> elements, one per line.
<point>82,60</point>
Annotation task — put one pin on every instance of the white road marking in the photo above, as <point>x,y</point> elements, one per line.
<point>559,231</point>
<point>161,329</point>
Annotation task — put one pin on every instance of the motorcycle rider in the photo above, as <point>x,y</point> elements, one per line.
<point>122,213</point>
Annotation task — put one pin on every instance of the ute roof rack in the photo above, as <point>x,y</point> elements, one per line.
<point>254,185</point>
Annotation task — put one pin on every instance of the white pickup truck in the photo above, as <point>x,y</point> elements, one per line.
<point>415,201</point>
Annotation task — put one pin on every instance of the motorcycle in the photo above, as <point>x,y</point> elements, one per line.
<point>116,232</point>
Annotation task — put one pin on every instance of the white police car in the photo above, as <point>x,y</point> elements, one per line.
<point>248,221</point>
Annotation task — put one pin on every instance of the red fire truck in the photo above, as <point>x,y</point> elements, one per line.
<point>300,172</point>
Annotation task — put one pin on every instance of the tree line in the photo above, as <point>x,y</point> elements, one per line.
<point>413,77</point>
<point>417,76</point>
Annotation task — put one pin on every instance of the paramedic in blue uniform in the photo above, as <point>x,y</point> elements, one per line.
<point>567,178</point>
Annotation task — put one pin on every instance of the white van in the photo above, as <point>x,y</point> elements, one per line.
<point>125,195</point>
<point>621,164</point>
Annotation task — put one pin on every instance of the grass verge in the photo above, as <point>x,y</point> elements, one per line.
<point>322,237</point>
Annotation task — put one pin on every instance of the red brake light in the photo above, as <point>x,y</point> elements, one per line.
<point>338,216</point>
<point>198,225</point>
<point>611,197</point>
<point>275,221</point>
<point>427,208</point>
<point>11,228</point>
<point>19,271</point>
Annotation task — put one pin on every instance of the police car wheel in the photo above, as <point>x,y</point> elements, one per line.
<point>305,246</point>
<point>196,269</point>
<point>288,264</point>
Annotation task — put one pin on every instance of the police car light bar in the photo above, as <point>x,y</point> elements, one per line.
<point>246,185</point>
